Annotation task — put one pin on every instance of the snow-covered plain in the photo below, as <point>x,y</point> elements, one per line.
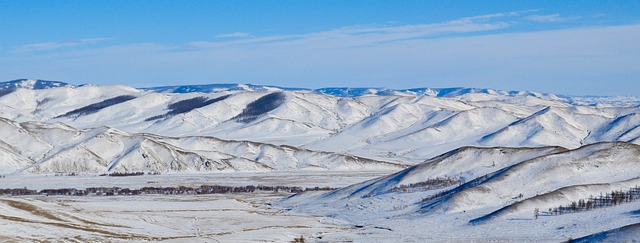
<point>415,165</point>
<point>189,218</point>
<point>238,217</point>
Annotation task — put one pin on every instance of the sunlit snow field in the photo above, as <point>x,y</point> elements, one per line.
<point>501,158</point>
<point>238,217</point>
<point>207,218</point>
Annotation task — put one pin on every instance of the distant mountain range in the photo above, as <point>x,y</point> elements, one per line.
<point>51,127</point>
<point>467,164</point>
<point>335,91</point>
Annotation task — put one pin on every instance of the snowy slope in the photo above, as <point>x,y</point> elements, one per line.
<point>591,164</point>
<point>399,126</point>
<point>492,188</point>
<point>460,165</point>
<point>461,162</point>
<point>32,84</point>
<point>32,147</point>
<point>627,233</point>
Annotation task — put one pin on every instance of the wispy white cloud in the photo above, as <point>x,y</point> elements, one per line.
<point>487,17</point>
<point>45,46</point>
<point>461,52</point>
<point>372,34</point>
<point>548,18</point>
<point>235,35</point>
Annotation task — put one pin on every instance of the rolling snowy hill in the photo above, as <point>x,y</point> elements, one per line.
<point>472,190</point>
<point>45,123</point>
<point>56,148</point>
<point>466,164</point>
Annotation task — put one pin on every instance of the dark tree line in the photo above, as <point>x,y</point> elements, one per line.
<point>139,173</point>
<point>611,199</point>
<point>181,190</point>
<point>434,196</point>
<point>125,174</point>
<point>187,105</point>
<point>431,184</point>
<point>95,107</point>
<point>5,91</point>
<point>462,185</point>
<point>260,107</point>
<point>18,191</point>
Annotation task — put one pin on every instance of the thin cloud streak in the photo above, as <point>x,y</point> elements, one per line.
<point>584,61</point>
<point>235,35</point>
<point>56,45</point>
<point>551,18</point>
<point>367,35</point>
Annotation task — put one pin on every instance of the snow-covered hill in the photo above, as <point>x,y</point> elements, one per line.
<point>32,84</point>
<point>35,147</point>
<point>471,190</point>
<point>396,126</point>
<point>467,164</point>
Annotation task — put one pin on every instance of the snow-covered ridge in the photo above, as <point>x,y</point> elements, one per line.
<point>213,88</point>
<point>347,91</point>
<point>32,147</point>
<point>32,84</point>
<point>473,189</point>
<point>334,91</point>
<point>459,161</point>
<point>402,127</point>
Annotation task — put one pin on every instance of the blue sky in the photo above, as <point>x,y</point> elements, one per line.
<point>563,47</point>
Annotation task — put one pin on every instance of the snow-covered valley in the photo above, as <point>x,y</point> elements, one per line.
<point>413,165</point>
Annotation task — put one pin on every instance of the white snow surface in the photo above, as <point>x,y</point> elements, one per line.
<point>93,129</point>
<point>500,189</point>
<point>458,164</point>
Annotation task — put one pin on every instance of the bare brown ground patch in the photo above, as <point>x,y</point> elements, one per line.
<point>35,210</point>
<point>106,233</point>
<point>86,221</point>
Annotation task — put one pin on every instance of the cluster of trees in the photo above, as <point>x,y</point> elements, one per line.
<point>431,184</point>
<point>462,185</point>
<point>126,174</point>
<point>260,107</point>
<point>111,174</point>
<point>608,200</point>
<point>187,105</point>
<point>93,108</point>
<point>434,196</point>
<point>18,191</point>
<point>204,189</point>
<point>66,174</point>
